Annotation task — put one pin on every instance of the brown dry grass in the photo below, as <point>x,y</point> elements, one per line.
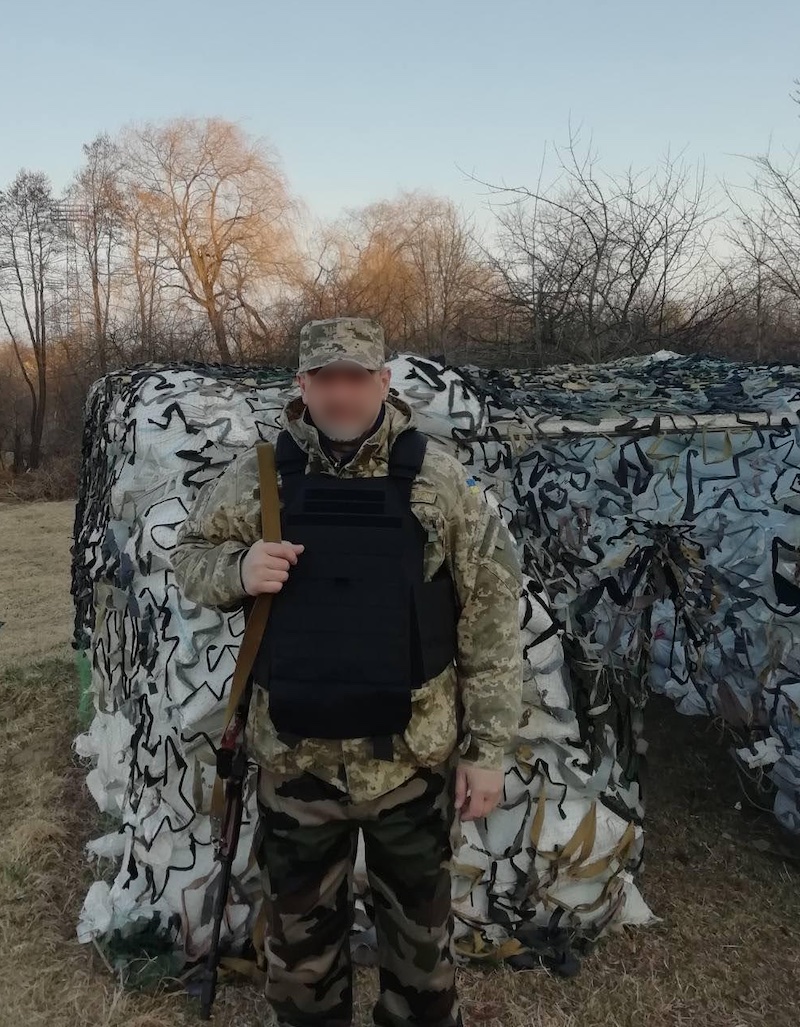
<point>34,581</point>
<point>726,955</point>
<point>56,480</point>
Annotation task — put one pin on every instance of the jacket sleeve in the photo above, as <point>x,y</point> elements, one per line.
<point>488,581</point>
<point>222,524</point>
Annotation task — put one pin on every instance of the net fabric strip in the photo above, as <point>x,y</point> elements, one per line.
<point>655,507</point>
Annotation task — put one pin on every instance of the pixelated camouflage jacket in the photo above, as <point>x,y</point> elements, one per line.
<point>483,688</point>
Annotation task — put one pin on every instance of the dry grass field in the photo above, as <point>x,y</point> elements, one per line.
<point>726,954</point>
<point>34,581</point>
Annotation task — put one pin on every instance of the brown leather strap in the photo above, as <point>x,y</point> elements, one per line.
<point>257,621</point>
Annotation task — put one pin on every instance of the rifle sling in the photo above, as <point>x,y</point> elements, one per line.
<point>257,621</point>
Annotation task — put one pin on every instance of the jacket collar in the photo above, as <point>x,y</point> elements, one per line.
<point>372,456</point>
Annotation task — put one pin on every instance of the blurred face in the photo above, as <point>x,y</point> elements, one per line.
<point>343,398</point>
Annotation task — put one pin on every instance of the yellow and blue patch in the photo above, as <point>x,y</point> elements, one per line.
<point>473,484</point>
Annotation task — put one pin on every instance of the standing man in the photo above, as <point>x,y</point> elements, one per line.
<point>387,686</point>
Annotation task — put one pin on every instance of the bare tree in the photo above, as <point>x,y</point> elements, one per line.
<point>146,261</point>
<point>764,231</point>
<point>411,262</point>
<point>767,224</point>
<point>216,212</point>
<point>28,252</point>
<point>95,217</point>
<point>604,264</point>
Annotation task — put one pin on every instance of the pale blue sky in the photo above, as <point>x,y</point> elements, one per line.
<point>362,98</point>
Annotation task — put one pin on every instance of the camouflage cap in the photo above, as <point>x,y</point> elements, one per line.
<point>341,338</point>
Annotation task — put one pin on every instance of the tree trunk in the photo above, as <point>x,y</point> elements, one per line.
<point>37,423</point>
<point>99,325</point>
<point>220,337</point>
<point>18,466</point>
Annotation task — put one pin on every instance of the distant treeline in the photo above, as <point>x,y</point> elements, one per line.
<point>183,240</point>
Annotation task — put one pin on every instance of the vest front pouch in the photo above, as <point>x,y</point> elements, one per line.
<point>437,621</point>
<point>354,629</point>
<point>339,642</point>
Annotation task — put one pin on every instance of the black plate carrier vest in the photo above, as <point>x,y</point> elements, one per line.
<point>355,628</point>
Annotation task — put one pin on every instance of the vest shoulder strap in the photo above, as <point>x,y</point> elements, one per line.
<point>407,454</point>
<point>405,457</point>
<point>289,457</point>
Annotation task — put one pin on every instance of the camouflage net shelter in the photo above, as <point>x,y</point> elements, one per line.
<point>655,505</point>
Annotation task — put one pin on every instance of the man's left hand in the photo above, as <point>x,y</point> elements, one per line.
<point>478,791</point>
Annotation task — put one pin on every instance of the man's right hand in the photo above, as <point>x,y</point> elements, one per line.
<point>266,566</point>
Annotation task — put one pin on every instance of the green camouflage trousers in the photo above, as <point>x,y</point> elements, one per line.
<point>306,845</point>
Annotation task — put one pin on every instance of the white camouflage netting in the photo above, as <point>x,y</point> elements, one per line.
<point>656,514</point>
